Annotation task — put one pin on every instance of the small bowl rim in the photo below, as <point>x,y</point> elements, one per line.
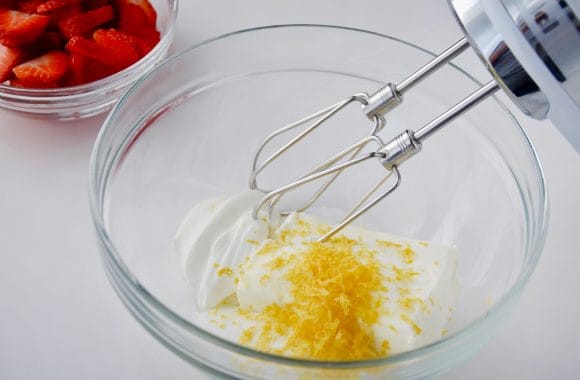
<point>146,62</point>
<point>112,257</point>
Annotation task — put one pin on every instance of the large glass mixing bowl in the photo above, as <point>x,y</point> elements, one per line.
<point>188,131</point>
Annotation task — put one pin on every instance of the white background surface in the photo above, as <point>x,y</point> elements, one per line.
<point>60,318</point>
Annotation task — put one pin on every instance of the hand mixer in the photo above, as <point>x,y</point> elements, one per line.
<point>531,48</point>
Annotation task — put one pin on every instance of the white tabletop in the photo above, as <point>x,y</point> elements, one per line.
<point>62,320</point>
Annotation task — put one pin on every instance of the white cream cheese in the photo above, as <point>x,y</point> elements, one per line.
<point>419,279</point>
<point>227,255</point>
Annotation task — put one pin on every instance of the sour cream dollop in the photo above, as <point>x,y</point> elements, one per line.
<point>215,238</point>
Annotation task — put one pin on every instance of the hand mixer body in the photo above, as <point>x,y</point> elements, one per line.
<point>532,48</point>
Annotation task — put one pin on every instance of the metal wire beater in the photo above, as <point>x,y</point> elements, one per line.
<point>391,154</point>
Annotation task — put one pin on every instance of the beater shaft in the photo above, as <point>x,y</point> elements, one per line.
<point>473,99</point>
<point>408,143</point>
<point>391,95</point>
<point>447,55</point>
<point>401,148</point>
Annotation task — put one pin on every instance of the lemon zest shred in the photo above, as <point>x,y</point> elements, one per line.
<point>268,247</point>
<point>408,254</point>
<point>413,325</point>
<point>225,271</point>
<point>402,274</point>
<point>247,335</point>
<point>388,244</point>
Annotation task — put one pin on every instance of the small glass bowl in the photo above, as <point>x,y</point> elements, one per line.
<point>189,129</point>
<point>89,99</point>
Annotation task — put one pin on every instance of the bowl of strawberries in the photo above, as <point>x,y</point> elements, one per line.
<point>69,59</point>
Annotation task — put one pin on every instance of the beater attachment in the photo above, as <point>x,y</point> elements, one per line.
<point>390,154</point>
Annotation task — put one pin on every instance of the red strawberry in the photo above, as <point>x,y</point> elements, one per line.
<point>52,5</point>
<point>19,28</point>
<point>64,13</point>
<point>83,70</point>
<point>43,71</point>
<point>90,49</point>
<point>28,6</point>
<point>76,70</point>
<point>9,58</point>
<point>15,82</point>
<point>86,48</point>
<point>147,41</point>
<point>124,46</point>
<point>133,20</point>
<point>147,8</point>
<point>86,22</point>
<point>95,70</point>
<point>33,32</point>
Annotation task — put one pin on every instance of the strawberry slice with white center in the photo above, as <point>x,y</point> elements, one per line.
<point>9,57</point>
<point>86,22</point>
<point>44,71</point>
<point>124,46</point>
<point>19,28</point>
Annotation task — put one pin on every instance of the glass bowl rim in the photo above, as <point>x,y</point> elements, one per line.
<point>119,78</point>
<point>112,257</point>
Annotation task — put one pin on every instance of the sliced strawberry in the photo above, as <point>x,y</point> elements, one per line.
<point>43,71</point>
<point>95,70</point>
<point>52,5</point>
<point>147,8</point>
<point>133,20</point>
<point>9,58</point>
<point>90,49</point>
<point>76,70</point>
<point>124,46</point>
<point>147,41</point>
<point>15,82</point>
<point>19,28</point>
<point>64,13</point>
<point>87,48</point>
<point>28,6</point>
<point>34,32</point>
<point>83,70</point>
<point>86,22</point>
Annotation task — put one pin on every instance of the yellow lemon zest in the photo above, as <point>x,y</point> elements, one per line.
<point>413,325</point>
<point>334,305</point>
<point>225,271</point>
